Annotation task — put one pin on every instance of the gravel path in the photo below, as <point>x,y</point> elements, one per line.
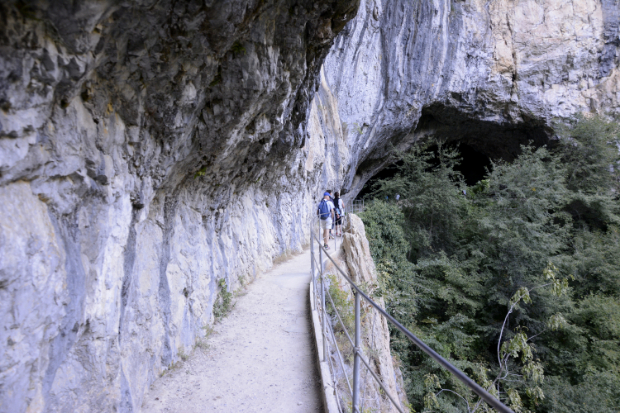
<point>260,358</point>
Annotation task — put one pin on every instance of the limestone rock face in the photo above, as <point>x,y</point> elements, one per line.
<point>357,252</point>
<point>493,74</point>
<point>375,331</point>
<point>148,149</point>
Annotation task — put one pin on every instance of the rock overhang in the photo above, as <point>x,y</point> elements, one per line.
<point>494,78</point>
<point>167,145</point>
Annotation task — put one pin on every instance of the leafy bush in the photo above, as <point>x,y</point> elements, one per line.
<point>223,301</point>
<point>343,305</point>
<point>597,393</point>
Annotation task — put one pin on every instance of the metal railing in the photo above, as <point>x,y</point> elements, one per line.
<point>357,206</point>
<point>321,293</point>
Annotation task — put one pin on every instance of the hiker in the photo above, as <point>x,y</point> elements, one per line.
<point>331,198</point>
<point>325,212</point>
<point>339,213</point>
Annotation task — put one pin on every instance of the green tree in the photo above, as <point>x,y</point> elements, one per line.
<point>453,262</point>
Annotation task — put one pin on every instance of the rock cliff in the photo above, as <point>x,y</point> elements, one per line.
<point>150,148</point>
<point>494,74</point>
<point>353,257</point>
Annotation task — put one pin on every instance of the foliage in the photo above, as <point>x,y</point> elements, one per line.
<point>201,172</point>
<point>519,274</point>
<point>343,305</point>
<point>591,151</point>
<point>384,229</point>
<point>434,214</point>
<point>223,301</point>
<point>596,393</point>
<point>237,48</point>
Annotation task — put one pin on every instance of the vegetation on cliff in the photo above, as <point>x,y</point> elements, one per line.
<point>516,279</point>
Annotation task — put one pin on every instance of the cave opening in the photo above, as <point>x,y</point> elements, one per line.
<point>474,166</point>
<point>479,142</point>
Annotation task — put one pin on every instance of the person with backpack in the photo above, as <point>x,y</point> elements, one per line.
<point>339,213</point>
<point>325,212</point>
<point>331,198</point>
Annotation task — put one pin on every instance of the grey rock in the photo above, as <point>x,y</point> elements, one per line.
<point>149,149</point>
<point>492,74</point>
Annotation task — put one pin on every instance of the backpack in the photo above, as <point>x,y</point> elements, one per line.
<point>337,205</point>
<point>324,212</point>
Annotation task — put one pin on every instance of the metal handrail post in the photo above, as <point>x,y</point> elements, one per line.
<point>320,255</point>
<point>356,361</point>
<point>312,251</point>
<point>397,405</point>
<point>324,317</point>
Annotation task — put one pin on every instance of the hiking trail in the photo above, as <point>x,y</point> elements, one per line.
<point>259,358</point>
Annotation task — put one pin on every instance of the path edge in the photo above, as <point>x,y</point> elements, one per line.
<point>328,391</point>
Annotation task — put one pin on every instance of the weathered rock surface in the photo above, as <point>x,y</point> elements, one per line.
<point>149,148</point>
<point>355,259</point>
<point>494,74</point>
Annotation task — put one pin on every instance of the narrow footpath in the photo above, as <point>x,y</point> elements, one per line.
<point>260,358</point>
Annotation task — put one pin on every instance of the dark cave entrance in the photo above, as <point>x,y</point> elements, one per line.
<point>386,173</point>
<point>474,166</point>
<point>478,141</point>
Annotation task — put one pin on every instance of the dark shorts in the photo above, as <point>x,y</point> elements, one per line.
<point>339,220</point>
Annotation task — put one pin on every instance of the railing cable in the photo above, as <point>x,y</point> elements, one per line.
<point>344,328</point>
<point>475,387</point>
<point>344,370</point>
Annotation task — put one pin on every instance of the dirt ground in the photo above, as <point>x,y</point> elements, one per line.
<point>260,358</point>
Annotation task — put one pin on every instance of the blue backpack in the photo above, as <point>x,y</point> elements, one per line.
<point>324,211</point>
